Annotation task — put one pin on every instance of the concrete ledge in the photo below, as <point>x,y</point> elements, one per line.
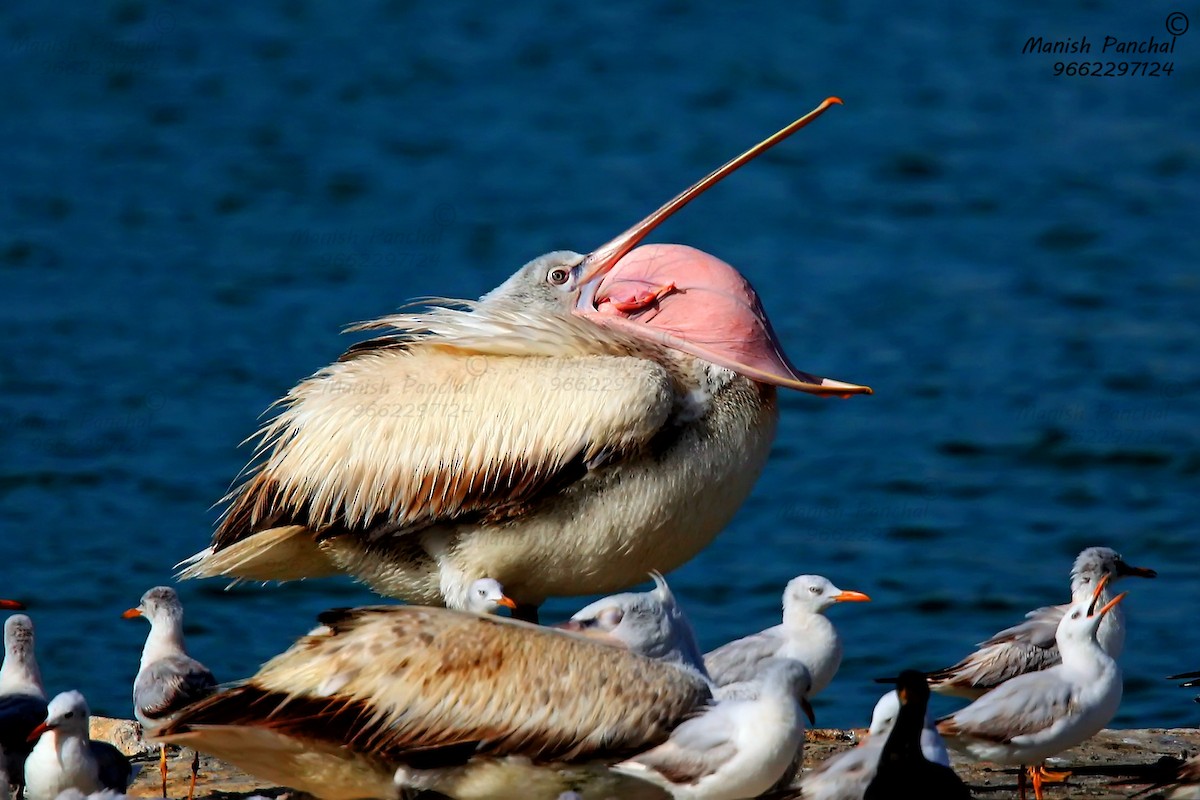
<point>1113,764</point>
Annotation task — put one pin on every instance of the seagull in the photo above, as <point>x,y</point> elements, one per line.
<point>845,776</point>
<point>383,698</point>
<point>806,635</point>
<point>1194,680</point>
<point>486,596</point>
<point>1034,716</point>
<point>737,747</point>
<point>593,418</point>
<point>1030,645</point>
<point>22,695</point>
<point>65,758</point>
<point>168,678</point>
<point>903,769</point>
<point>673,639</point>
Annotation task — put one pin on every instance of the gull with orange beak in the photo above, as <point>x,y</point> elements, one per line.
<point>168,678</point>
<point>1040,714</point>
<point>591,419</point>
<point>805,635</point>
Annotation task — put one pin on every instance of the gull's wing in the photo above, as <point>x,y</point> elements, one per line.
<point>169,684</point>
<point>462,415</point>
<point>698,747</point>
<point>1028,646</point>
<point>846,775</point>
<point>1017,708</point>
<point>739,660</point>
<point>431,687</point>
<point>19,715</point>
<point>116,772</point>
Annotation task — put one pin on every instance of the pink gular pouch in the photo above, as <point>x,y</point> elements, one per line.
<point>691,301</point>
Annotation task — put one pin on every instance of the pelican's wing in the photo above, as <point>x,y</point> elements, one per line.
<point>739,660</point>
<point>1028,646</point>
<point>1017,708</point>
<point>431,687</point>
<point>463,415</point>
<point>169,684</point>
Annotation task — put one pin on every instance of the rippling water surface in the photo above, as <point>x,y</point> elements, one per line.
<point>196,200</point>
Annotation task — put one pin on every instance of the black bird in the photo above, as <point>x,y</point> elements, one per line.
<point>1194,680</point>
<point>903,769</point>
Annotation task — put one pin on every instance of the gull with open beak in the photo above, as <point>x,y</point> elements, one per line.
<point>595,417</point>
<point>471,706</point>
<point>805,635</point>
<point>1030,645</point>
<point>168,678</point>
<point>1034,716</point>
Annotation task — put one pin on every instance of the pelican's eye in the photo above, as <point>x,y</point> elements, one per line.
<point>558,275</point>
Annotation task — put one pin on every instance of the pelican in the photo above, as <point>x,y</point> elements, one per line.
<point>593,418</point>
<point>383,698</point>
<point>1030,646</point>
<point>168,678</point>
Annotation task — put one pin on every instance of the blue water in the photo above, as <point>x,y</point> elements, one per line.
<point>196,199</point>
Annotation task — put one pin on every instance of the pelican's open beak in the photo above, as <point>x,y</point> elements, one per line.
<point>132,613</point>
<point>851,597</point>
<point>683,298</point>
<point>37,732</point>
<point>12,605</point>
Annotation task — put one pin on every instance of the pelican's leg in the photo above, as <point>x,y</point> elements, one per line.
<point>526,612</point>
<point>162,766</point>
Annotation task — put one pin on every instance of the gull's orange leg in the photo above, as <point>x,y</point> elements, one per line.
<point>195,772</point>
<point>162,766</point>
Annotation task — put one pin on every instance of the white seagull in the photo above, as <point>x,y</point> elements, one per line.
<point>486,596</point>
<point>1034,716</point>
<point>168,678</point>
<point>22,695</point>
<point>806,635</point>
<point>65,758</point>
<point>1030,645</point>
<point>738,747</point>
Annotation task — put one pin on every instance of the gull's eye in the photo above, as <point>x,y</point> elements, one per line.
<point>558,276</point>
<point>815,589</point>
<point>68,715</point>
<point>1075,615</point>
